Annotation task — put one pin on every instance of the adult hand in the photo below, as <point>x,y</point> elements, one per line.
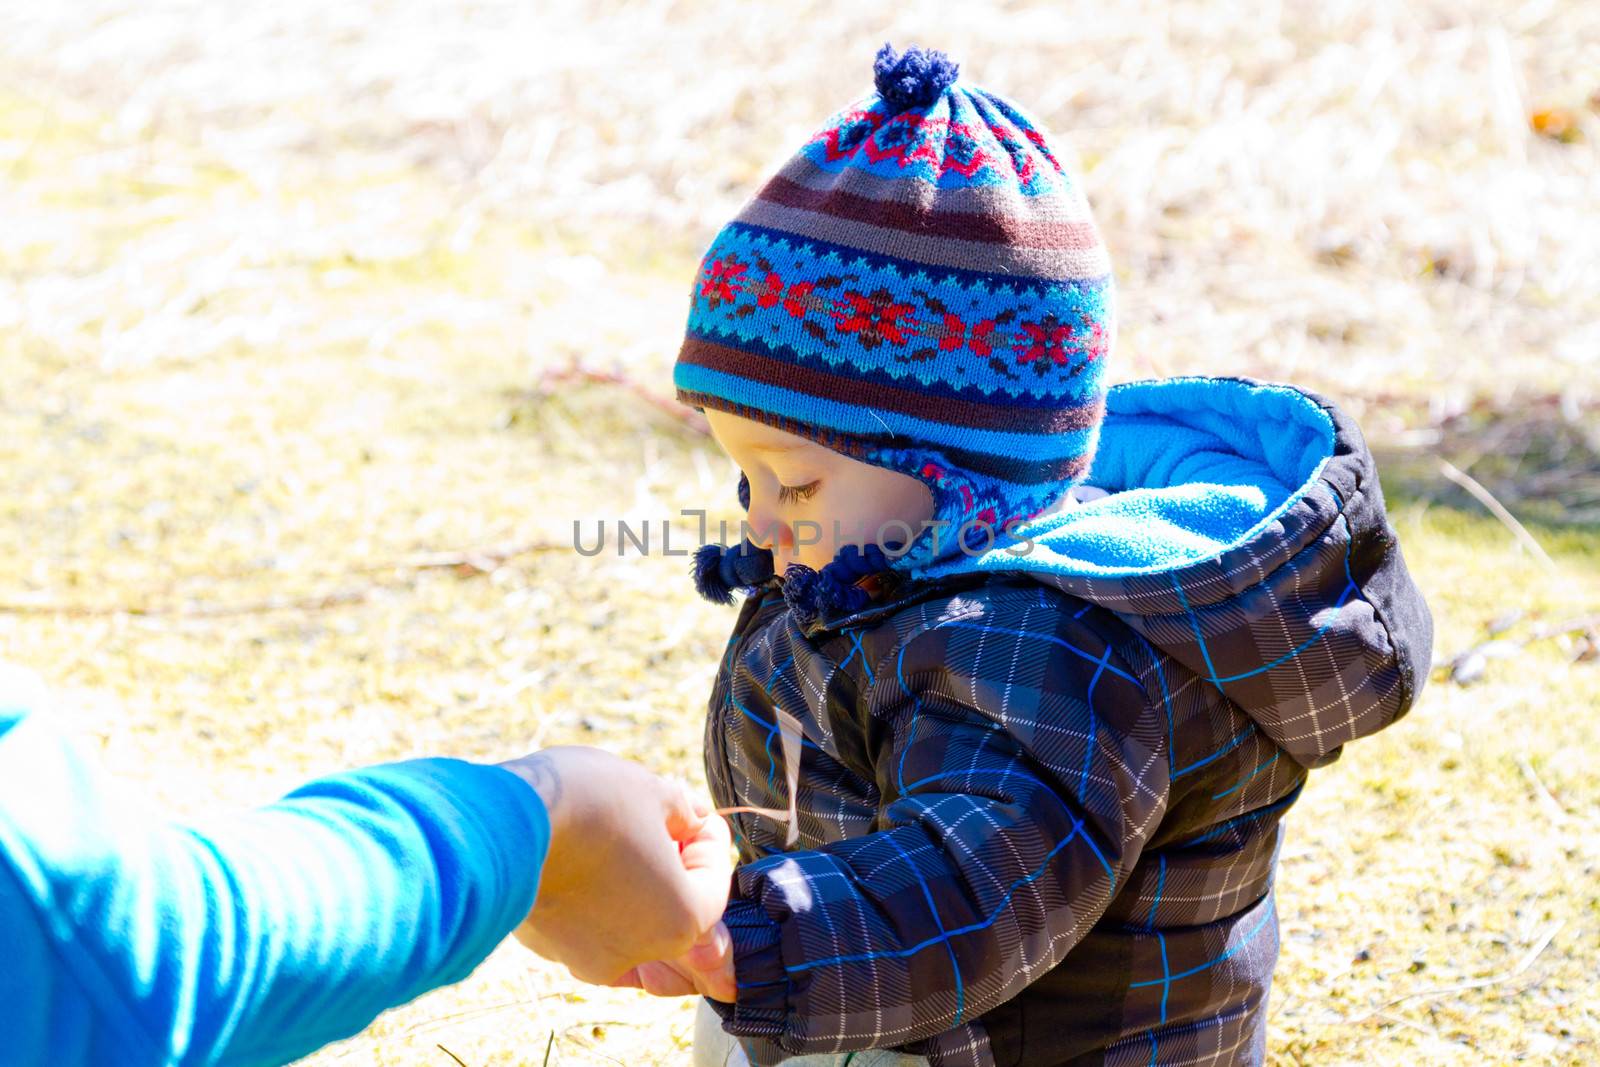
<point>706,969</point>
<point>636,871</point>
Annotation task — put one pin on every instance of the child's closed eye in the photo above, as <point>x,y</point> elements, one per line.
<point>791,493</point>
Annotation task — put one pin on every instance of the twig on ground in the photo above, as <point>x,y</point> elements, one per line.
<point>452,1055</point>
<point>482,560</point>
<point>1547,800</point>
<point>1467,666</point>
<point>474,1013</point>
<point>666,405</point>
<point>466,563</point>
<point>1486,498</point>
<point>1401,1020</point>
<point>1523,964</point>
<point>201,611</point>
<point>1556,629</point>
<point>524,681</point>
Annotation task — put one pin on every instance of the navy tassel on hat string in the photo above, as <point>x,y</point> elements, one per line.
<point>914,79</point>
<point>719,570</point>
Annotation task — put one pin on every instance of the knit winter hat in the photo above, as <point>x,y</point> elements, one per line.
<point>921,287</point>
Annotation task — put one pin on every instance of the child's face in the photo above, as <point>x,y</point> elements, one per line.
<point>799,490</point>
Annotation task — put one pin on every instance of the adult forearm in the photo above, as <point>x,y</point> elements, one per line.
<point>253,939</point>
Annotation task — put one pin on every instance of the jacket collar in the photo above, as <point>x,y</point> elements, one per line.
<point>893,592</point>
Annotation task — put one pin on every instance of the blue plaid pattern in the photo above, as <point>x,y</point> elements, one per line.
<point>1039,818</point>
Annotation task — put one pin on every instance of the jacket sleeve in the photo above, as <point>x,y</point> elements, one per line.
<point>1021,771</point>
<point>257,939</point>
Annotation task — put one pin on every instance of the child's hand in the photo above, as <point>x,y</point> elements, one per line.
<point>706,969</point>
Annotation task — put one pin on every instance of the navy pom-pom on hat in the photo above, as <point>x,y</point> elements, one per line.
<point>914,79</point>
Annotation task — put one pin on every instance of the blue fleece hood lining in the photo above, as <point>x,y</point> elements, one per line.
<point>1195,466</point>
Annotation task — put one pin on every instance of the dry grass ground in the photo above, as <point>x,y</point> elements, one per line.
<point>279,284</point>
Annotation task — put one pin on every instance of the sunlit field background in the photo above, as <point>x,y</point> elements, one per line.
<point>320,324</point>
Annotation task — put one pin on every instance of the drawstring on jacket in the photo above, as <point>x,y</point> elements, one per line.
<point>833,590</point>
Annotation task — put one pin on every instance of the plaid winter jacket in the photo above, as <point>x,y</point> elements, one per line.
<point>1039,800</point>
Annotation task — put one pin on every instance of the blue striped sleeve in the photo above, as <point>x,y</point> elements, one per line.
<point>256,938</point>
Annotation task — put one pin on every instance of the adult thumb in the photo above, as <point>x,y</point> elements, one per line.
<point>710,951</point>
<point>708,866</point>
<point>686,813</point>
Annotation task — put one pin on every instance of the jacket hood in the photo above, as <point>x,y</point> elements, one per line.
<point>1245,536</point>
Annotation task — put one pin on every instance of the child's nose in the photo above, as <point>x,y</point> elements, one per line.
<point>766,531</point>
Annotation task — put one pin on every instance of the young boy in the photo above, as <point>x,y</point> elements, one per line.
<point>1039,752</point>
